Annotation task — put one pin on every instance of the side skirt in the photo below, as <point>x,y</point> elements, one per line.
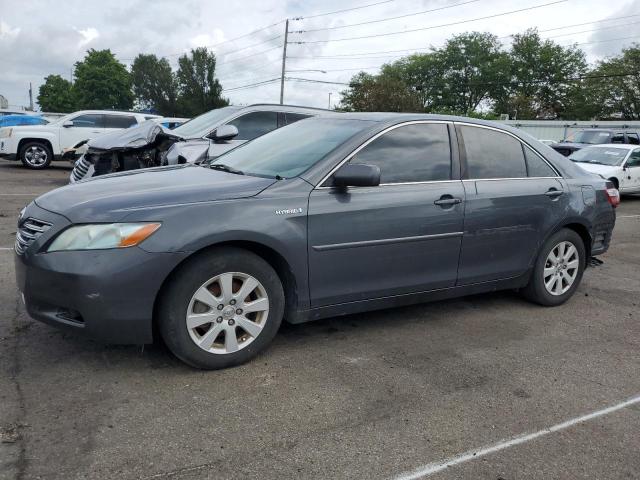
<point>302,316</point>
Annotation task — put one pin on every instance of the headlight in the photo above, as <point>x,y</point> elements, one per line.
<point>5,132</point>
<point>102,236</point>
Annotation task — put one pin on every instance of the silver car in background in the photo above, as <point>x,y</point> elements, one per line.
<point>201,139</point>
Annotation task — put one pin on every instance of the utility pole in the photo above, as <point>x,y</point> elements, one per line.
<point>330,100</point>
<point>284,59</point>
<point>30,97</point>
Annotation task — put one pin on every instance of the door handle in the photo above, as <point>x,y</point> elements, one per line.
<point>553,193</point>
<point>447,201</point>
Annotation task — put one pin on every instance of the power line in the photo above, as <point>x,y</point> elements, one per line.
<point>372,55</point>
<point>344,10</point>
<point>251,85</point>
<point>578,24</point>
<point>594,30</point>
<point>277,47</point>
<point>389,18</point>
<point>433,26</point>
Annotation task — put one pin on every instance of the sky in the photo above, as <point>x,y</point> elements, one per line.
<point>42,37</point>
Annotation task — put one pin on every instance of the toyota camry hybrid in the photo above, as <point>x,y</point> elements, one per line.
<point>329,216</point>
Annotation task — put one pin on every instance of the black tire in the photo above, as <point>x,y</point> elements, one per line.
<point>176,298</point>
<point>44,155</point>
<point>535,290</point>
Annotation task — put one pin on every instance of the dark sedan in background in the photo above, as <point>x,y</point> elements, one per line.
<point>594,136</point>
<point>329,216</point>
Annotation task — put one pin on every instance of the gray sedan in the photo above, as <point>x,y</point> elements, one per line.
<point>329,216</point>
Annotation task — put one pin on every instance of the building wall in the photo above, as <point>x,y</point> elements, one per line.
<point>559,129</point>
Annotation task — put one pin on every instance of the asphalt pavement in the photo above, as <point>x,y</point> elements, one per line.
<point>484,387</point>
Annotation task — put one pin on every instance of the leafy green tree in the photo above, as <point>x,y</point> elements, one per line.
<point>379,93</point>
<point>56,95</point>
<point>542,78</point>
<point>472,71</point>
<point>199,89</point>
<point>154,85</point>
<point>615,85</point>
<point>102,82</point>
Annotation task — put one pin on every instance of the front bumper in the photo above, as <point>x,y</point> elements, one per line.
<point>8,148</point>
<point>107,295</point>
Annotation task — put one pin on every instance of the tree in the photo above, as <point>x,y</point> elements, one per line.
<point>542,81</point>
<point>102,82</point>
<point>154,85</point>
<point>473,71</point>
<point>615,85</point>
<point>380,93</point>
<point>199,90</point>
<point>56,95</point>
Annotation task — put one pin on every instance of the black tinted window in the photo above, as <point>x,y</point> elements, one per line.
<point>254,125</point>
<point>537,167</point>
<point>119,121</point>
<point>634,159</point>
<point>492,154</point>
<point>617,138</point>
<point>294,117</point>
<point>633,138</point>
<point>413,153</point>
<point>88,121</point>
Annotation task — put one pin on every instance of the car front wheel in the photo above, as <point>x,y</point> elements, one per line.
<point>35,155</point>
<point>221,308</point>
<point>558,269</point>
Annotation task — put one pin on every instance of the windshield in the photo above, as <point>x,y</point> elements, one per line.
<point>201,125</point>
<point>289,151</point>
<point>602,156</point>
<point>592,137</point>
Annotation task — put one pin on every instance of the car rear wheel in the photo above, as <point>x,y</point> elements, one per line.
<point>558,269</point>
<point>35,155</point>
<point>221,309</point>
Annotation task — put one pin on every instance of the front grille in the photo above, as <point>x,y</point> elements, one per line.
<point>80,169</point>
<point>28,232</point>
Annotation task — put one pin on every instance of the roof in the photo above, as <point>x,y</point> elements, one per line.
<point>117,112</point>
<point>279,106</point>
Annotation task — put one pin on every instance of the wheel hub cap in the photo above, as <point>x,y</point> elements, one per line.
<point>227,313</point>
<point>561,268</point>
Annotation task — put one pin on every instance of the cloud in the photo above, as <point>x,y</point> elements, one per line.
<point>7,32</point>
<point>88,35</point>
<point>616,34</point>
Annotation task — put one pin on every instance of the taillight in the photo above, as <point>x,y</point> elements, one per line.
<point>613,195</point>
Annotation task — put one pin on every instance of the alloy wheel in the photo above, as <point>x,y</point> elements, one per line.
<point>36,156</point>
<point>227,313</point>
<point>561,268</point>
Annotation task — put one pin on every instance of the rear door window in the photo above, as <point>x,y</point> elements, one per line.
<point>119,121</point>
<point>411,153</point>
<point>492,154</point>
<point>255,124</point>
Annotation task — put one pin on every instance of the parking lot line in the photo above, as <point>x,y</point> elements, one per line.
<point>435,467</point>
<point>628,216</point>
<point>19,194</point>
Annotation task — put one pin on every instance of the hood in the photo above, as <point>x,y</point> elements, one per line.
<point>111,197</point>
<point>48,128</point>
<point>604,170</point>
<point>145,134</point>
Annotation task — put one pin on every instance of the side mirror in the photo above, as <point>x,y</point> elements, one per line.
<point>67,123</point>
<point>224,133</point>
<point>357,175</point>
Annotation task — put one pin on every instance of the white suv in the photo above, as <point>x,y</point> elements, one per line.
<point>37,145</point>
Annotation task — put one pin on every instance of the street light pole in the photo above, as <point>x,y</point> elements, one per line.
<point>330,100</point>
<point>284,59</point>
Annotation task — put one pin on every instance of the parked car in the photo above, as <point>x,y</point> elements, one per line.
<point>618,163</point>
<point>37,145</point>
<point>329,216</point>
<point>594,136</point>
<point>547,142</point>
<point>195,141</point>
<point>15,120</point>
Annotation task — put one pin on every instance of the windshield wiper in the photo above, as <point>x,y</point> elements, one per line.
<point>225,168</point>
